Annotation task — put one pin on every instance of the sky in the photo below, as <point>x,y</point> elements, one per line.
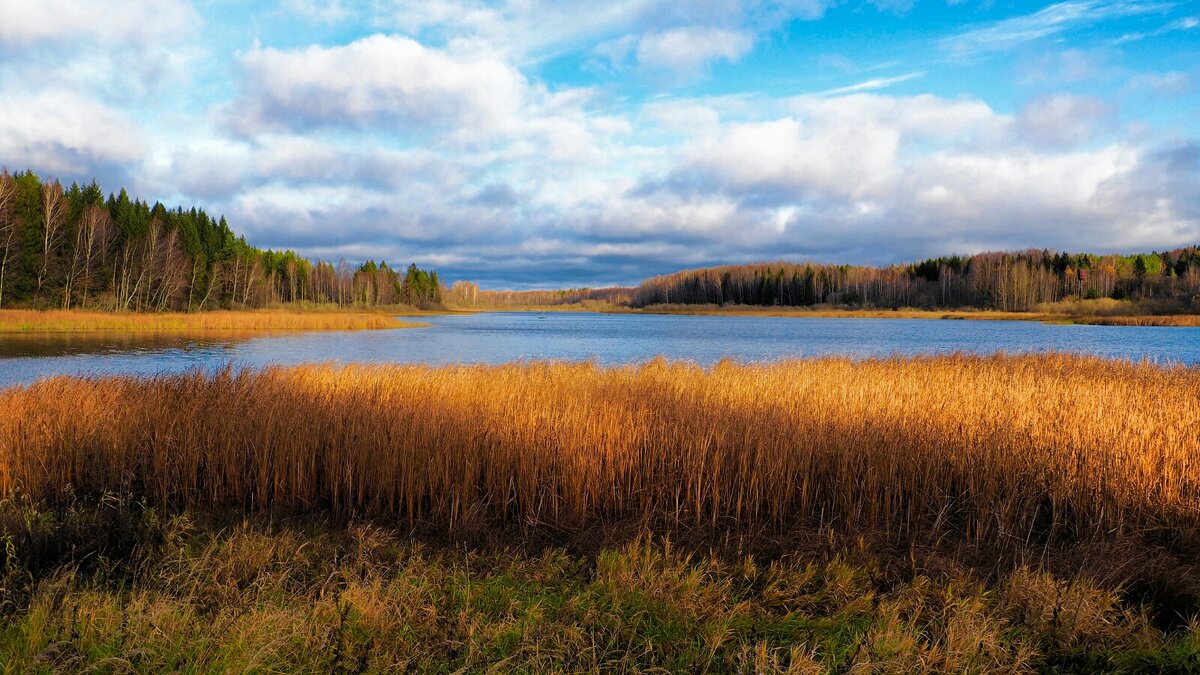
<point>527,143</point>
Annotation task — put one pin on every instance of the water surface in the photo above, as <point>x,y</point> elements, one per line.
<point>607,338</point>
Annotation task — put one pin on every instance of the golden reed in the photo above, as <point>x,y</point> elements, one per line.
<point>78,321</point>
<point>989,449</point>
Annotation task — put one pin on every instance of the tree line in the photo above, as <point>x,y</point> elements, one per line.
<point>73,247</point>
<point>468,294</point>
<point>1007,281</point>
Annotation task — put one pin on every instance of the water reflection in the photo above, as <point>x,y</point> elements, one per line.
<point>17,345</point>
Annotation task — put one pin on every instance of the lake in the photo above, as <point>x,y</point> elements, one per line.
<point>607,338</point>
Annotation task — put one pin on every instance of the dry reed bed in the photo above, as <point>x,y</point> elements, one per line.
<point>988,450</point>
<point>73,321</point>
<point>1183,320</point>
<point>1082,312</point>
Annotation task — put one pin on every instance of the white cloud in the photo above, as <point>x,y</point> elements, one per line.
<point>1062,120</point>
<point>67,134</point>
<point>862,177</point>
<point>873,84</point>
<point>931,175</point>
<point>795,160</point>
<point>1064,66</point>
<point>1046,22</point>
<point>386,81</point>
<point>535,28</point>
<point>1187,23</point>
<point>1171,83</point>
<point>688,51</point>
<point>114,22</point>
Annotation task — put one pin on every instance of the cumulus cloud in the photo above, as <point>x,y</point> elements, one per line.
<point>116,50</point>
<point>388,81</point>
<point>864,177</point>
<point>1164,188</point>
<point>900,173</point>
<point>67,134</point>
<point>836,178</point>
<point>1062,120</point>
<point>114,22</point>
<point>682,53</point>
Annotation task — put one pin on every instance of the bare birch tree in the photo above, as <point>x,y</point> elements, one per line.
<point>8,224</point>
<point>54,211</point>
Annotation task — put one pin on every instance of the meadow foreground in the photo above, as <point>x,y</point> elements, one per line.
<point>948,513</point>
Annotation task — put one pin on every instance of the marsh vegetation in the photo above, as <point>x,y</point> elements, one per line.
<point>957,513</point>
<point>76,321</point>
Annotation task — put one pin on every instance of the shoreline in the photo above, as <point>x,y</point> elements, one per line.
<point>88,322</point>
<point>284,320</point>
<point>1143,320</point>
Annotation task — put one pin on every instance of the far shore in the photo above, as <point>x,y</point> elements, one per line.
<point>307,318</point>
<point>1095,319</point>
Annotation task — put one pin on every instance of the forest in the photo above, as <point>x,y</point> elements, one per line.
<point>1012,282</point>
<point>71,247</point>
<point>469,294</point>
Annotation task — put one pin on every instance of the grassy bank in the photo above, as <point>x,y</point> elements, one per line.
<point>75,321</point>
<point>1086,312</point>
<point>309,596</point>
<point>1189,320</point>
<point>952,513</point>
<point>838,312</point>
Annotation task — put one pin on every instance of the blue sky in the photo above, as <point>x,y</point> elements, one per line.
<point>533,144</point>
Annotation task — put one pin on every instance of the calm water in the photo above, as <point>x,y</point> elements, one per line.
<point>607,338</point>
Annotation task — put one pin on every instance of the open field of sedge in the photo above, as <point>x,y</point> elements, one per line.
<point>955,513</point>
<point>263,321</point>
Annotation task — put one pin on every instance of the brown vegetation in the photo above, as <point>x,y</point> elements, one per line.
<point>1186,320</point>
<point>964,514</point>
<point>986,449</point>
<point>1122,313</point>
<point>74,321</point>
<point>831,312</point>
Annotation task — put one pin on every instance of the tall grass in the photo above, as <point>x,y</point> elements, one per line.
<point>74,321</point>
<point>1022,449</point>
<point>833,312</point>
<point>1187,320</point>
